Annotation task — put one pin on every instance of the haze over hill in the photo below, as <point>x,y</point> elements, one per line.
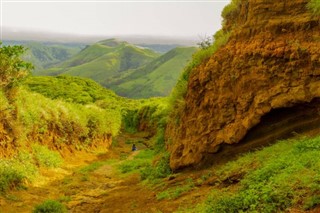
<point>45,36</point>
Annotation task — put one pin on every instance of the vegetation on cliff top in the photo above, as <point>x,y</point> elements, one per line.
<point>314,7</point>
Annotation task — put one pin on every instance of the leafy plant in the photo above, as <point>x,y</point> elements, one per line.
<point>50,206</point>
<point>13,69</point>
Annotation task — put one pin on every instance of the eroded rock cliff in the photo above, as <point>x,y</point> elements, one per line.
<point>271,61</point>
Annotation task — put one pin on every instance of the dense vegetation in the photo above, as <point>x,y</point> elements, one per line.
<point>28,118</point>
<point>71,89</point>
<point>273,179</point>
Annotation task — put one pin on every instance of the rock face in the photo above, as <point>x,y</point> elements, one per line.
<point>271,61</point>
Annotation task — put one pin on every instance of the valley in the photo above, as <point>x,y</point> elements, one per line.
<point>232,125</point>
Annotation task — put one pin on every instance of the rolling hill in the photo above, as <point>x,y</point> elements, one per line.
<point>44,55</point>
<point>103,60</point>
<point>157,78</point>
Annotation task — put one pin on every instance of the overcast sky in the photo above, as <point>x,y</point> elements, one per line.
<point>170,18</point>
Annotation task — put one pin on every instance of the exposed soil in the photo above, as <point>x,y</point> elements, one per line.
<point>103,190</point>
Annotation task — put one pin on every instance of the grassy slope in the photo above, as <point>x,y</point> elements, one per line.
<point>103,60</point>
<point>156,78</point>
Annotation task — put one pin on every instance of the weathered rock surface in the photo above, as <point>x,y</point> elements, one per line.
<point>271,61</point>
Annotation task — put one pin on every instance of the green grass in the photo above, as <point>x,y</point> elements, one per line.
<point>274,179</point>
<point>314,6</point>
<point>140,161</point>
<point>50,206</point>
<point>94,166</point>
<point>175,192</point>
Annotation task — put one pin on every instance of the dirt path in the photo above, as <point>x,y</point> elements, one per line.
<point>100,190</point>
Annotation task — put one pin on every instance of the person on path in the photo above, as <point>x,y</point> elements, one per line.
<point>134,148</point>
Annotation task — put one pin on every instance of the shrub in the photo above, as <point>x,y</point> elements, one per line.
<point>50,206</point>
<point>45,157</point>
<point>15,171</point>
<point>160,169</point>
<point>12,69</point>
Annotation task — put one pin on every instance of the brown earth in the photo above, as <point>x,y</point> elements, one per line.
<point>271,61</point>
<point>104,189</point>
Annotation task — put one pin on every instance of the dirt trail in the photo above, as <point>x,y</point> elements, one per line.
<point>102,190</point>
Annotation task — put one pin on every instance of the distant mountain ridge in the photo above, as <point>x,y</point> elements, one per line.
<point>129,70</point>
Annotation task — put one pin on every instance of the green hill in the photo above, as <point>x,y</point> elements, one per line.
<point>157,78</point>
<point>45,55</point>
<point>103,60</point>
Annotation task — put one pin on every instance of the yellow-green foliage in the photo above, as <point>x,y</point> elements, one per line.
<point>276,179</point>
<point>45,157</point>
<point>12,68</point>
<point>151,111</point>
<point>22,167</point>
<point>69,121</point>
<point>230,8</point>
<point>314,6</point>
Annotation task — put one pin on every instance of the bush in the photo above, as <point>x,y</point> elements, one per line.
<point>50,206</point>
<point>45,157</point>
<point>12,69</point>
<point>15,171</point>
<point>160,169</point>
<point>142,160</point>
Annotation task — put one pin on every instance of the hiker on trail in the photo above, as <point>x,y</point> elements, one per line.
<point>134,148</point>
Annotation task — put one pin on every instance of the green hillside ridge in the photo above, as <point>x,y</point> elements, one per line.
<point>103,60</point>
<point>45,55</point>
<point>157,78</point>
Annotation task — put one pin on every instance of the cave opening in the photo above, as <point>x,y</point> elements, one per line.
<point>278,124</point>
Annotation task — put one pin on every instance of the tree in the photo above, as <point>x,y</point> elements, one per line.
<point>12,68</point>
